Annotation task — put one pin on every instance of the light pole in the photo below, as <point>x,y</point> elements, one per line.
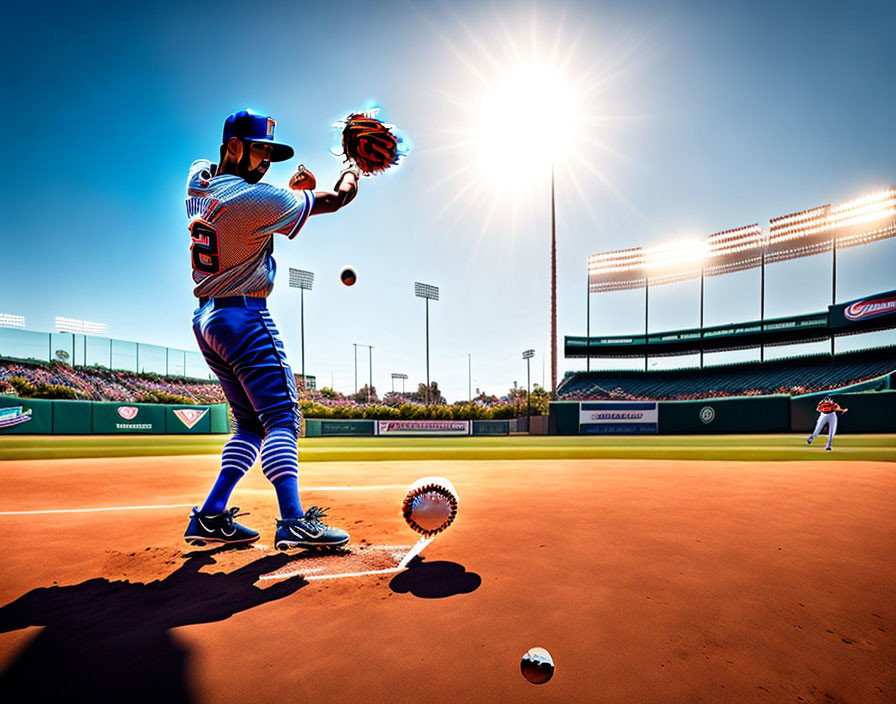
<point>302,280</point>
<point>430,293</point>
<point>370,382</point>
<point>553,291</point>
<point>528,355</point>
<point>470,377</point>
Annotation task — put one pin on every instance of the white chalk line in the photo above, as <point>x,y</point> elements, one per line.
<point>93,510</point>
<point>302,573</point>
<point>375,487</point>
<point>396,554</point>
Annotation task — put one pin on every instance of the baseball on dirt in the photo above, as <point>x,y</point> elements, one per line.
<point>537,665</point>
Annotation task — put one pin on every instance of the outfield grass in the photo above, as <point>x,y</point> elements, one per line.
<point>669,447</point>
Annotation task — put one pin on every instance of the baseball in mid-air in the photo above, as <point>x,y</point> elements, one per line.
<point>348,275</point>
<point>537,665</point>
<point>302,180</point>
<point>430,505</point>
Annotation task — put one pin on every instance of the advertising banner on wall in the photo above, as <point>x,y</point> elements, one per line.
<point>423,427</point>
<point>112,418</point>
<point>619,417</point>
<point>865,311</point>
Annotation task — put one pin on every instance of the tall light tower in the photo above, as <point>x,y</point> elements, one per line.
<point>302,280</point>
<point>430,293</point>
<point>370,382</point>
<point>528,355</point>
<point>470,376</point>
<point>553,291</point>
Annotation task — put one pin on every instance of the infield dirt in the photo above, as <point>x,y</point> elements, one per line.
<point>647,581</point>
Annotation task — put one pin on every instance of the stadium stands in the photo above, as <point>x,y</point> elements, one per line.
<point>787,376</point>
<point>100,384</point>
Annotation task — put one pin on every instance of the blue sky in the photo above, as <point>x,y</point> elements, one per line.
<point>699,118</point>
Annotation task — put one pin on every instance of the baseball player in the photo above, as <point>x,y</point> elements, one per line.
<point>827,411</point>
<point>233,220</point>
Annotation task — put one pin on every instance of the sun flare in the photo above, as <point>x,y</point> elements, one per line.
<point>529,120</point>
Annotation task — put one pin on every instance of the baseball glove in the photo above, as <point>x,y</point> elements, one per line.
<point>369,143</point>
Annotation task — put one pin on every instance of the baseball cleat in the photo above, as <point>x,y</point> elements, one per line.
<point>827,448</point>
<point>218,528</point>
<point>808,441</point>
<point>308,532</point>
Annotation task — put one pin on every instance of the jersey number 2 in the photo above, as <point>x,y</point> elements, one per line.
<point>205,247</point>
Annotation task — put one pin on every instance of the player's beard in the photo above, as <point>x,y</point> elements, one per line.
<point>247,174</point>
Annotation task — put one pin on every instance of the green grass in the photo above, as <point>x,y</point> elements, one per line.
<point>662,447</point>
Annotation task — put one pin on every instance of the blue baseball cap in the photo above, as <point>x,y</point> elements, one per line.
<point>254,127</point>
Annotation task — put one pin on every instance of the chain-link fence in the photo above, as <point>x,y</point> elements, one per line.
<point>90,350</point>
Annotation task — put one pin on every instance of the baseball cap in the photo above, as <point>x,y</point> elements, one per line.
<point>254,127</point>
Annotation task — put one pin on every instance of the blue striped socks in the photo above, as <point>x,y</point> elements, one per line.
<point>239,454</point>
<point>280,464</point>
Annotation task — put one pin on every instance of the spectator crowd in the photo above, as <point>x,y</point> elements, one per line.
<point>57,380</point>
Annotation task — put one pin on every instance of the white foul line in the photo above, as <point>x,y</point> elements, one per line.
<point>91,510</point>
<point>146,508</point>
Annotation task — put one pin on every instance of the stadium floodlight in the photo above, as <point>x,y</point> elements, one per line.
<point>397,375</point>
<point>869,218</point>
<point>79,327</point>
<point>430,293</point>
<point>866,219</point>
<point>302,280</point>
<point>426,291</point>
<point>8,320</point>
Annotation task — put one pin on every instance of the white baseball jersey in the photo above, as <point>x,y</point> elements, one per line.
<point>232,226</point>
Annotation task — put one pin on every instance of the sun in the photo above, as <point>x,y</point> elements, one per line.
<point>531,101</point>
<point>528,120</point>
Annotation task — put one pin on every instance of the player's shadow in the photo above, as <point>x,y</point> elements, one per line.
<point>435,580</point>
<point>111,641</point>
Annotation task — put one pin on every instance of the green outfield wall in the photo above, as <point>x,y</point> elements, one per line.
<point>564,418</point>
<point>869,412</point>
<point>25,416</point>
<point>753,414</point>
<point>72,417</point>
<point>317,428</point>
<point>491,427</point>
<point>31,416</point>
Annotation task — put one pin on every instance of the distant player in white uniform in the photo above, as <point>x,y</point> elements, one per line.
<point>827,415</point>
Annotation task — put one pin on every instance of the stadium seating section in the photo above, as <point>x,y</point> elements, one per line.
<point>100,384</point>
<point>787,376</point>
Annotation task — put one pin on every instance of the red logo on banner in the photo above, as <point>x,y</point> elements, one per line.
<point>190,416</point>
<point>127,412</point>
<point>870,309</point>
